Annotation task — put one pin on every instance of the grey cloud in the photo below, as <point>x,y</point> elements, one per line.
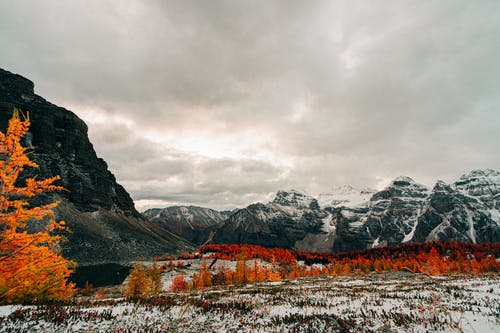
<point>152,172</point>
<point>385,89</point>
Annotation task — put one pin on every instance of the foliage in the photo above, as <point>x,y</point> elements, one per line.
<point>143,281</point>
<point>247,251</point>
<point>179,283</point>
<point>31,265</point>
<point>274,264</point>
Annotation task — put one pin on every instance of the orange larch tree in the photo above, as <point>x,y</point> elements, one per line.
<point>31,265</point>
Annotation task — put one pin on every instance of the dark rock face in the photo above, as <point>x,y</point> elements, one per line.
<point>464,211</point>
<point>284,222</point>
<point>94,200</point>
<point>196,224</point>
<point>351,234</point>
<point>63,148</point>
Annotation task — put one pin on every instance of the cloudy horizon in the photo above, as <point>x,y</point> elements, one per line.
<point>222,103</point>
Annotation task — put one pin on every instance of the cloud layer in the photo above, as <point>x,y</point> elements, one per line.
<point>221,103</point>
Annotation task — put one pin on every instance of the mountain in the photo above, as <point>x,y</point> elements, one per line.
<point>99,211</point>
<point>283,222</point>
<point>388,218</point>
<point>346,196</point>
<point>348,219</point>
<point>196,224</point>
<point>467,210</point>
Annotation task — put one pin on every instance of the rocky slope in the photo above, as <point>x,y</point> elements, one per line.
<point>106,227</point>
<point>467,210</point>
<point>388,218</point>
<point>350,219</point>
<point>288,219</point>
<point>196,224</point>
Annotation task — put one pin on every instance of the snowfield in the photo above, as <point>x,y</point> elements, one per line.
<point>393,302</point>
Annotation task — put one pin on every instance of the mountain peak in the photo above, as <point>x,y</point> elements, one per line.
<point>345,195</point>
<point>481,183</point>
<point>405,183</point>
<point>105,224</point>
<point>16,84</point>
<point>481,173</point>
<point>403,179</point>
<point>441,186</point>
<point>345,189</point>
<point>295,198</point>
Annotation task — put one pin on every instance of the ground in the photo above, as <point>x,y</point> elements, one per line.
<point>391,302</point>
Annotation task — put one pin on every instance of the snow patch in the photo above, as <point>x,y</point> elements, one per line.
<point>346,196</point>
<point>495,215</point>
<point>408,237</point>
<point>328,226</point>
<point>356,224</point>
<point>472,231</point>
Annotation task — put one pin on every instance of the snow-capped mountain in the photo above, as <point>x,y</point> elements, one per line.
<point>467,210</point>
<point>483,185</point>
<point>295,198</point>
<point>389,217</point>
<point>289,218</point>
<point>196,224</point>
<point>405,211</point>
<point>348,218</point>
<point>346,195</point>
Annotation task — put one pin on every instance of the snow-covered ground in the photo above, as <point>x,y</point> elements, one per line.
<point>373,303</point>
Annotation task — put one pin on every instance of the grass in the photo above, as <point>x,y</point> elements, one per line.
<point>371,303</point>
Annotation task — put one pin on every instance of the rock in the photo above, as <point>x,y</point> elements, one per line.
<point>387,219</point>
<point>106,226</point>
<point>196,224</point>
<point>284,222</point>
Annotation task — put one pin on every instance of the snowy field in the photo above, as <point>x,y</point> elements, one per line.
<point>393,302</point>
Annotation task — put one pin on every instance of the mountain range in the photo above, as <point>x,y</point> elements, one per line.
<point>351,219</point>
<point>106,227</point>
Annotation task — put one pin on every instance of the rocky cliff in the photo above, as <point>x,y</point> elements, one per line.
<point>105,225</point>
<point>467,210</point>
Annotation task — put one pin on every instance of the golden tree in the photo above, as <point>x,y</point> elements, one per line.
<point>143,281</point>
<point>204,277</point>
<point>31,265</point>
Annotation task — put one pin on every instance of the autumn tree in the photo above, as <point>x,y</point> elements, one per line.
<point>179,283</point>
<point>143,281</point>
<point>31,265</point>
<point>204,278</point>
<point>241,273</point>
<point>273,275</point>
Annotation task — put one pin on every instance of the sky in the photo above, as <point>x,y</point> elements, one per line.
<point>222,103</point>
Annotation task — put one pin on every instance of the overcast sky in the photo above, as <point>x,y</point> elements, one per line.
<point>222,103</point>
